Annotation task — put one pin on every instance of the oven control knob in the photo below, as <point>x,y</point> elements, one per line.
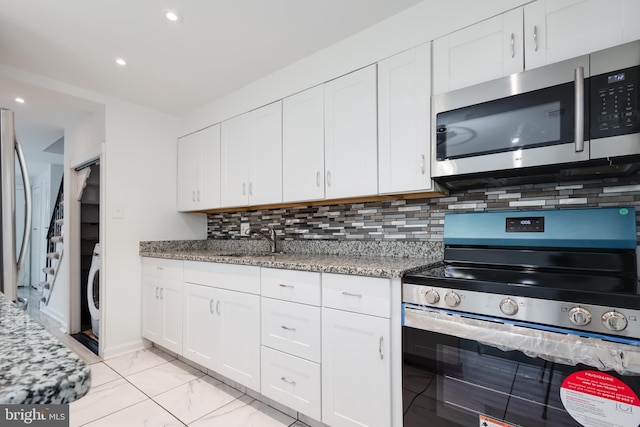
<point>431,296</point>
<point>508,306</point>
<point>614,321</point>
<point>452,299</point>
<point>579,316</point>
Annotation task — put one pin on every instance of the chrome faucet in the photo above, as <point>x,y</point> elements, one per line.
<point>270,238</point>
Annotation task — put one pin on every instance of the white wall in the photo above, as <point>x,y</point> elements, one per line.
<point>138,150</point>
<point>420,24</point>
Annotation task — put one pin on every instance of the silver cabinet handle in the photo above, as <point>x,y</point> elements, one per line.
<point>211,305</point>
<point>535,38</point>
<point>157,289</point>
<point>198,195</point>
<point>349,294</point>
<point>244,188</point>
<point>193,195</point>
<point>422,164</point>
<point>282,285</point>
<point>513,45</point>
<point>288,381</point>
<point>328,178</point>
<point>162,293</point>
<point>578,84</point>
<point>218,307</point>
<point>287,328</point>
<point>318,178</point>
<point>251,188</point>
<point>380,348</point>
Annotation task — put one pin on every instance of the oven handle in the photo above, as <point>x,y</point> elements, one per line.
<point>565,349</point>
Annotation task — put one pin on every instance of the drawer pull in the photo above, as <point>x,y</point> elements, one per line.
<point>287,328</point>
<point>282,285</point>
<point>288,381</point>
<point>380,349</point>
<point>349,294</point>
<point>211,305</point>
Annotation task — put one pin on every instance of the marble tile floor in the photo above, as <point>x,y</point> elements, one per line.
<point>153,388</point>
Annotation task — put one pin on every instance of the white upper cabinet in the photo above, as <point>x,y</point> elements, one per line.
<point>303,146</point>
<point>351,149</point>
<point>199,170</point>
<point>404,122</point>
<point>561,29</point>
<point>484,51</point>
<point>251,157</point>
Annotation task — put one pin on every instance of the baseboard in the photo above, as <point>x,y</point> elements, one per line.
<point>55,316</point>
<point>119,350</point>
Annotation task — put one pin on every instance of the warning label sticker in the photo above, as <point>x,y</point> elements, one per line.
<point>597,399</point>
<point>492,422</point>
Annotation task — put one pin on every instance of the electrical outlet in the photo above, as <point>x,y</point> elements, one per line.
<point>244,226</point>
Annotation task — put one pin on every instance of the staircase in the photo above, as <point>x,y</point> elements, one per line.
<point>55,247</point>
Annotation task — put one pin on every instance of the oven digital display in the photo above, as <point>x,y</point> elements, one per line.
<point>530,224</point>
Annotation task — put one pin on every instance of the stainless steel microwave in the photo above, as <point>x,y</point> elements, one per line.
<point>573,119</point>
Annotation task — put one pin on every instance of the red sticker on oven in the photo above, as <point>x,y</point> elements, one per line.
<point>596,399</point>
<point>492,422</point>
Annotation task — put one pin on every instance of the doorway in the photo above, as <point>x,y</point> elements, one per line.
<point>90,257</point>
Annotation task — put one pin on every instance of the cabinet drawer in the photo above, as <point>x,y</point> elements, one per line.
<point>243,278</point>
<point>367,295</point>
<point>291,327</point>
<point>169,269</point>
<point>292,381</point>
<point>291,285</point>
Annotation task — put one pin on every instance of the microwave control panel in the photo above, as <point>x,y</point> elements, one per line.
<point>615,102</point>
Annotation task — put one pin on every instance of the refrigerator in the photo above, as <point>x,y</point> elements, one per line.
<point>13,248</point>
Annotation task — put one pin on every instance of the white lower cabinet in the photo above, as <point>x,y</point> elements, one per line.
<point>162,302</point>
<point>356,362</point>
<point>221,327</point>
<point>292,381</point>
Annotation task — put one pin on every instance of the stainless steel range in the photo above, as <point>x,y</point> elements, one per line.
<point>531,320</point>
<point>571,269</point>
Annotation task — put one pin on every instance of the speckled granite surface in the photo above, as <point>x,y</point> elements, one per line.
<point>379,259</point>
<point>35,367</point>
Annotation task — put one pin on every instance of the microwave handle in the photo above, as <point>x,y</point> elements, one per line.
<point>578,79</point>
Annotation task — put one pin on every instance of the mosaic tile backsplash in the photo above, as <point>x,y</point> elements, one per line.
<point>422,219</point>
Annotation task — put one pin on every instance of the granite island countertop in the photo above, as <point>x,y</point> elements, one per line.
<point>35,367</point>
<point>391,261</point>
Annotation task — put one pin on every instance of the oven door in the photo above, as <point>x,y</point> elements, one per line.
<point>460,371</point>
<point>523,120</point>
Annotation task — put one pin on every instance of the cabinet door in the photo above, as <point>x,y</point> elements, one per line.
<point>561,29</point>
<point>356,369</point>
<point>265,169</point>
<point>199,324</point>
<point>234,162</point>
<point>238,340</point>
<point>351,149</point>
<point>484,51</point>
<point>152,316</point>
<point>630,27</point>
<point>404,96</point>
<point>188,171</point>
<point>303,146</point>
<point>209,183</point>
<point>171,300</point>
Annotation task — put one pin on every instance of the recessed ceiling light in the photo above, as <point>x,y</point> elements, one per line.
<point>172,15</point>
<point>19,100</point>
<point>121,61</point>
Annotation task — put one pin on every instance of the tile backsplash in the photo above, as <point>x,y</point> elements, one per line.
<point>422,219</point>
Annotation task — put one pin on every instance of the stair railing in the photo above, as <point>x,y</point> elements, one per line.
<point>54,238</point>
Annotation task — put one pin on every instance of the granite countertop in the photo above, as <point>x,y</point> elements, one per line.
<point>36,368</point>
<point>362,258</point>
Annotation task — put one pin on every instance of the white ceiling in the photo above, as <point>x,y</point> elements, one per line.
<point>220,46</point>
